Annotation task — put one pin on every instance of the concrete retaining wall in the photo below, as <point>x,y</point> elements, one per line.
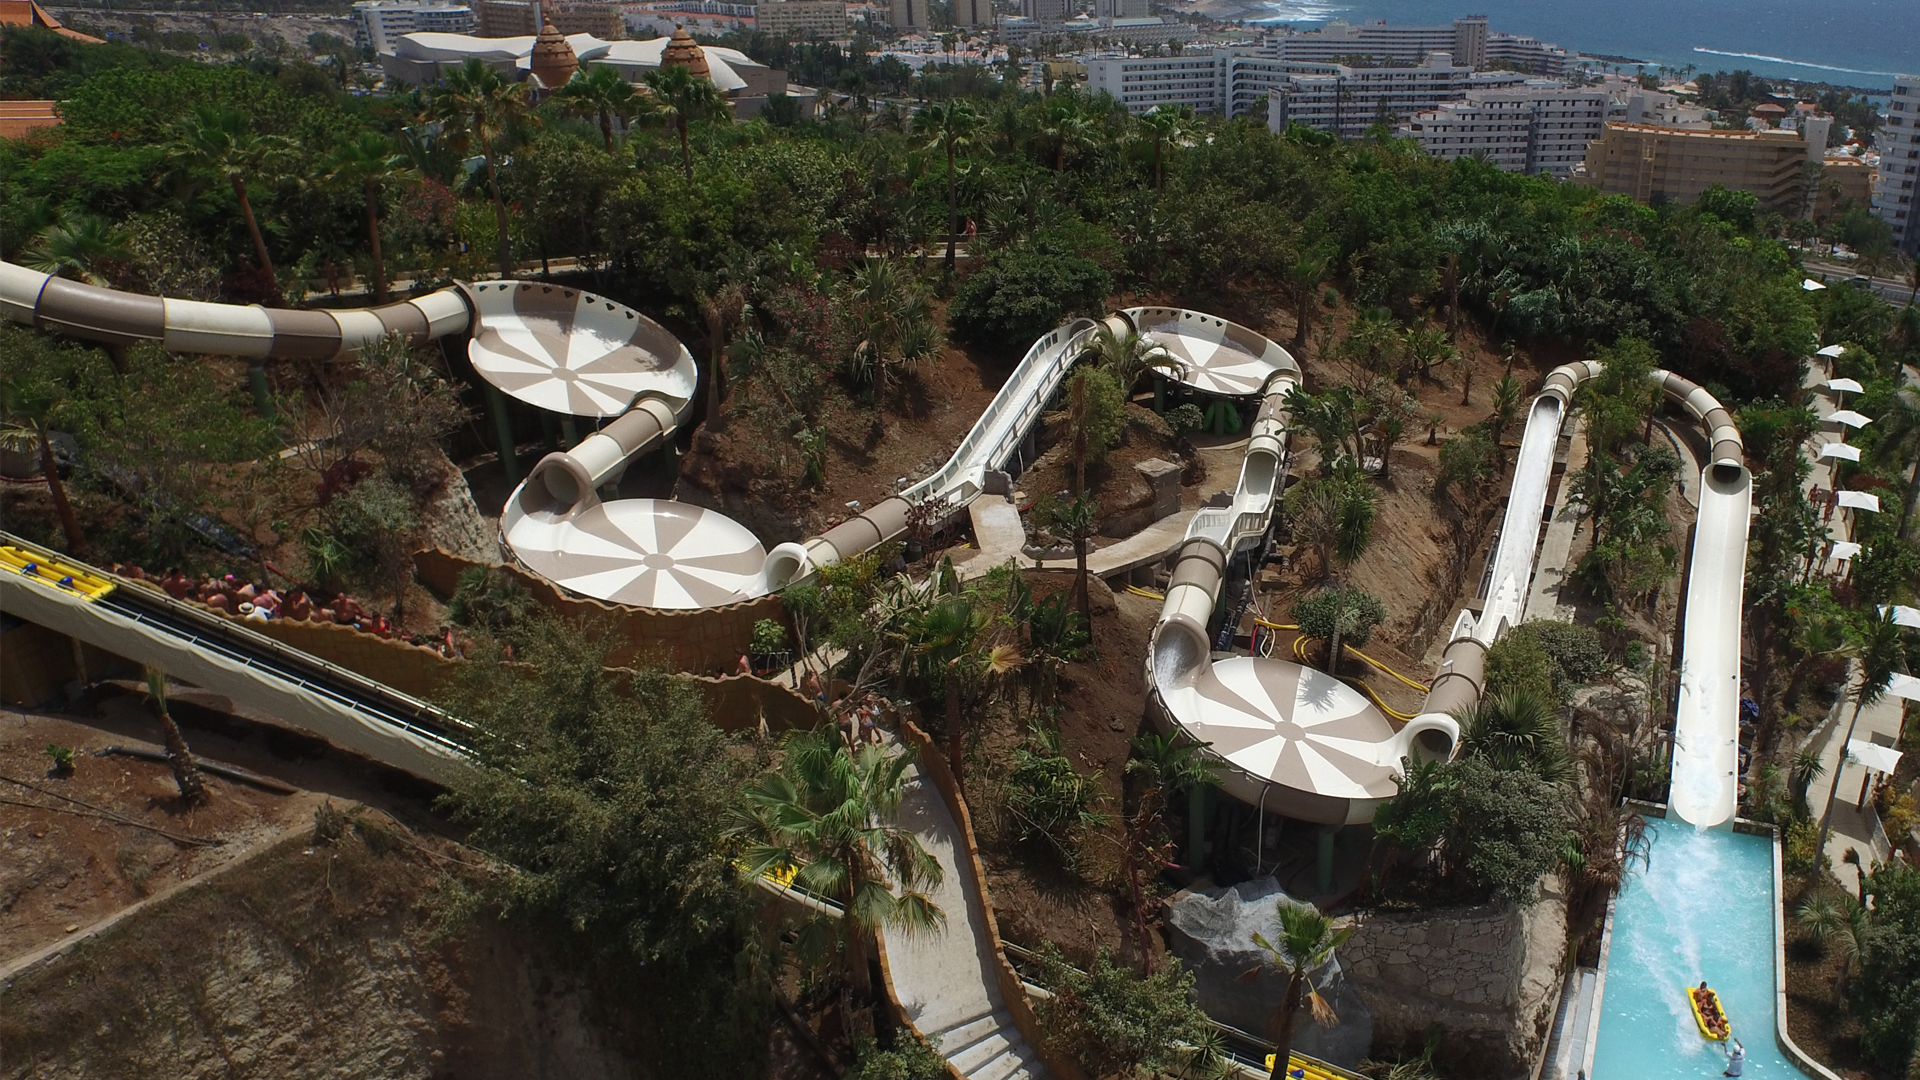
<point>710,640</point>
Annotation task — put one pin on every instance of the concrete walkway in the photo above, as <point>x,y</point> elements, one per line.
<point>945,979</point>
<point>1000,536</point>
<point>1852,827</point>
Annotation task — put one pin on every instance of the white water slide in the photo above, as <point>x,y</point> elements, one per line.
<point>1707,713</point>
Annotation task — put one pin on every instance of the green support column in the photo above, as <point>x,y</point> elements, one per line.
<point>262,396</point>
<point>550,431</point>
<point>1197,826</point>
<point>1223,416</point>
<point>569,432</point>
<point>1159,393</point>
<point>502,431</point>
<point>1323,871</point>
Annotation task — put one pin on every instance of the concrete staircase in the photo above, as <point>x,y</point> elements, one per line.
<point>945,980</point>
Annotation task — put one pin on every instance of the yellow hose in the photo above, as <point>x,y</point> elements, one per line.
<point>1138,591</point>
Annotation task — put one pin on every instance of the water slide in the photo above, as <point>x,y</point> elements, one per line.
<point>1706,718</point>
<point>1295,741</point>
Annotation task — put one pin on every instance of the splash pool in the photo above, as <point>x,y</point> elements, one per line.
<point>1703,909</point>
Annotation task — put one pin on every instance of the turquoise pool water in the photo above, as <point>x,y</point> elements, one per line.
<point>1703,909</point>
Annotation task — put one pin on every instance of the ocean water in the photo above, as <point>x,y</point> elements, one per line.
<point>1847,42</point>
<point>1703,909</point>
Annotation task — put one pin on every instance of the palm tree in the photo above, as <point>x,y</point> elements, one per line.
<point>186,773</point>
<point>1881,647</point>
<point>722,307</point>
<point>1307,942</point>
<point>1304,275</point>
<point>951,644</point>
<point>476,106</point>
<point>78,246</point>
<point>27,409</point>
<point>1079,518</point>
<point>1128,356</point>
<point>1841,923</point>
<point>1506,406</point>
<point>600,90</point>
<point>1166,126</point>
<point>369,162</point>
<point>221,140</point>
<point>828,812</point>
<point>1168,764</point>
<point>684,97</point>
<point>1899,446</point>
<point>1063,128</point>
<point>952,125</point>
<point>1517,730</point>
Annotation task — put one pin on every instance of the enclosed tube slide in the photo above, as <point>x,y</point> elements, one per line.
<point>1707,715</point>
<point>117,318</point>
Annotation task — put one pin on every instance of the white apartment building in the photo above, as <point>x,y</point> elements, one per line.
<point>1525,54</point>
<point>379,24</point>
<point>1340,42</point>
<point>1529,129</point>
<point>1234,81</point>
<point>1896,183</point>
<point>1348,101</point>
<point>908,14</point>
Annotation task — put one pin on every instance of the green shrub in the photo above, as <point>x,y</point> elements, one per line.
<point>1022,294</point>
<point>1048,799</point>
<point>910,1059</point>
<point>1885,997</point>
<point>1106,405</point>
<point>1517,663</point>
<point>1357,610</point>
<point>1798,855</point>
<point>1185,419</point>
<point>769,637</point>
<point>62,758</point>
<point>1116,1023</point>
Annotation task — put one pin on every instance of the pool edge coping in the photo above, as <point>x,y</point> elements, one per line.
<point>1781,1039</point>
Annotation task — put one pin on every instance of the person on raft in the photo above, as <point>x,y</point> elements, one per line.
<point>1710,1011</point>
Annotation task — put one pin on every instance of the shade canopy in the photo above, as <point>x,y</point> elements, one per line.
<point>1882,759</point>
<point>1832,350</point>
<point>1839,450</point>
<point>1859,500</point>
<point>1844,550</point>
<point>1851,386</point>
<point>1849,418</point>
<point>1902,614</point>
<point>1904,686</point>
<point>1811,285</point>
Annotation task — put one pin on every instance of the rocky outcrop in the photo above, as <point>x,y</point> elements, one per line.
<point>453,522</point>
<point>1211,931</point>
<point>1484,976</point>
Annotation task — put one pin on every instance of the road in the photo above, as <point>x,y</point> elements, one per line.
<point>1892,290</point>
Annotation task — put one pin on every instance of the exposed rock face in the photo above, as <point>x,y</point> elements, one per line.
<point>1483,975</point>
<point>454,524</point>
<point>1211,931</point>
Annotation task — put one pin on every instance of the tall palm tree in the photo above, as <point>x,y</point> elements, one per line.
<point>1304,275</point>
<point>1165,126</point>
<point>27,408</point>
<point>828,812</point>
<point>222,140</point>
<point>1307,943</point>
<point>186,772</point>
<point>600,90</point>
<point>1881,647</point>
<point>1517,730</point>
<point>78,246</point>
<point>952,646</point>
<point>477,108</point>
<point>685,97</point>
<point>368,162</point>
<point>722,307</point>
<point>1079,518</point>
<point>1167,764</point>
<point>1063,128</point>
<point>952,125</point>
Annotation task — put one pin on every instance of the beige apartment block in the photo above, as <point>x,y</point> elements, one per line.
<point>522,18</point>
<point>1660,164</point>
<point>800,18</point>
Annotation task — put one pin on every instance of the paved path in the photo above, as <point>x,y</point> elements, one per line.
<point>945,980</point>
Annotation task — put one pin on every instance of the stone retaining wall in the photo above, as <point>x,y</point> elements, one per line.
<point>709,640</point>
<point>1483,975</point>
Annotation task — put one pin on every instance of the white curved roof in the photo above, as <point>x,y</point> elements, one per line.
<point>722,64</point>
